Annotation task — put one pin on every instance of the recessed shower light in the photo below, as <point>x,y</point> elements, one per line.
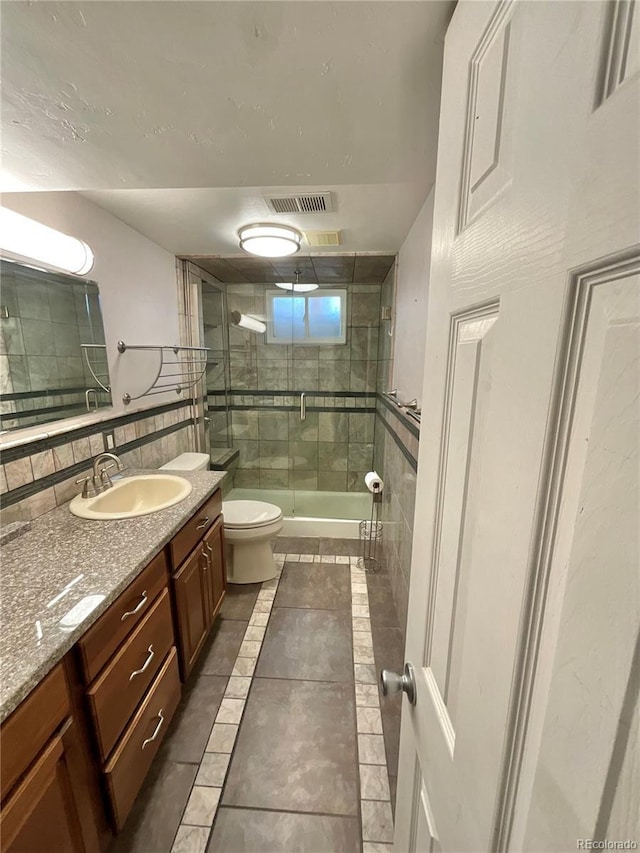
<point>270,241</point>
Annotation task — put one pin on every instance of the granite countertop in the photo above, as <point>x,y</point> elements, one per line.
<point>60,560</point>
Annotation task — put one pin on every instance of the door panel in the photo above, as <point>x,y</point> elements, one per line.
<point>536,203</point>
<point>584,760</point>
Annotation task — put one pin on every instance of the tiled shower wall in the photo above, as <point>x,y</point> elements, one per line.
<point>333,448</point>
<point>40,475</point>
<point>396,460</point>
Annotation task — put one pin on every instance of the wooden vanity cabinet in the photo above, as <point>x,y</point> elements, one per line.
<point>74,754</point>
<point>199,586</point>
<point>44,773</point>
<point>191,598</point>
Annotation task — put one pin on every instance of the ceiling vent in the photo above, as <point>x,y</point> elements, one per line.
<point>323,238</point>
<point>308,203</point>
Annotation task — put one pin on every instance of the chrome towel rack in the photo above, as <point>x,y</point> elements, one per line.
<point>179,368</point>
<point>409,408</point>
<point>96,357</point>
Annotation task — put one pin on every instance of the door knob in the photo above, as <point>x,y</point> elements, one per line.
<point>394,683</point>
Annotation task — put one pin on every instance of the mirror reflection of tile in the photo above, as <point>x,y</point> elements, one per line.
<point>44,319</point>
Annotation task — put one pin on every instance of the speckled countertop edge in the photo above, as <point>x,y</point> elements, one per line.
<point>99,557</point>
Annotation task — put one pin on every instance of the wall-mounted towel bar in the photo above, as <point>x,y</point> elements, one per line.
<point>409,408</point>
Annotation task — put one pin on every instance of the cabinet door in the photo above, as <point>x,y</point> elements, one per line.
<point>191,595</point>
<point>214,545</point>
<point>41,814</point>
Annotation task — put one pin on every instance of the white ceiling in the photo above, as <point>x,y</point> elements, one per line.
<point>178,116</point>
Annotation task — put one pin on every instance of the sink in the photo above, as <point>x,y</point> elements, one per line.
<point>133,496</point>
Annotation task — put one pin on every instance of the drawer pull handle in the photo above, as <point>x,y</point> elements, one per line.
<point>144,665</point>
<point>204,523</point>
<point>137,608</point>
<point>157,730</point>
<point>206,557</point>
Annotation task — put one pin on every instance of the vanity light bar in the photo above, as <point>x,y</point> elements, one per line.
<point>33,241</point>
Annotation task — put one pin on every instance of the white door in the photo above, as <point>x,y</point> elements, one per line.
<point>524,605</point>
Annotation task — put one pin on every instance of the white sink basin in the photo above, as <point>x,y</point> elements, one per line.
<point>133,496</point>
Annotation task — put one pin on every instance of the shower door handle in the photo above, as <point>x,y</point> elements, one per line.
<point>303,406</point>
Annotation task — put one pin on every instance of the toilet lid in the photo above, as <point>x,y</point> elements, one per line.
<point>239,514</point>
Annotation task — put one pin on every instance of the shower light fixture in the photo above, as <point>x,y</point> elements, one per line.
<point>246,322</point>
<point>32,241</point>
<point>296,287</point>
<point>270,241</point>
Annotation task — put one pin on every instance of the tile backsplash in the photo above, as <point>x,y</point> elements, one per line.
<point>397,440</point>
<point>38,476</point>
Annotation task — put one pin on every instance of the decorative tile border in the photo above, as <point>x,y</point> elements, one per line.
<point>375,796</point>
<point>202,806</point>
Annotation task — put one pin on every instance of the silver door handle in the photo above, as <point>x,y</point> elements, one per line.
<point>206,557</point>
<point>204,523</point>
<point>138,607</point>
<point>144,665</point>
<point>157,729</point>
<point>394,683</point>
<point>303,406</point>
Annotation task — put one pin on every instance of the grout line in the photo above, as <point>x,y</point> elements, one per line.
<point>289,811</point>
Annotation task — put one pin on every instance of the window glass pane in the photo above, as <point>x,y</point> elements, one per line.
<point>325,316</point>
<point>288,317</point>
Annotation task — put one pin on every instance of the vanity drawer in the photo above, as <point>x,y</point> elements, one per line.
<point>103,638</point>
<point>187,537</point>
<point>132,758</point>
<point>115,695</point>
<point>31,725</point>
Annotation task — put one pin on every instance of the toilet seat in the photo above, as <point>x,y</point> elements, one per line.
<point>243,515</point>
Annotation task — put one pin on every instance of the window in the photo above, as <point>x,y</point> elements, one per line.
<point>311,318</point>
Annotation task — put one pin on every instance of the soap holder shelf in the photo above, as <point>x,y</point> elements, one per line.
<point>179,368</point>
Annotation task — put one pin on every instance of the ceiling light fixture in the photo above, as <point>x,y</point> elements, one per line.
<point>246,322</point>
<point>32,241</point>
<point>270,241</point>
<point>296,287</point>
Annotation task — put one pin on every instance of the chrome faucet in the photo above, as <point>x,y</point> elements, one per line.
<point>101,474</point>
<point>100,481</point>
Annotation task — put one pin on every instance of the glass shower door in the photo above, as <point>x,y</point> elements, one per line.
<point>216,404</point>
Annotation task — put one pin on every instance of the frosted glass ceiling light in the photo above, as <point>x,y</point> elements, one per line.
<point>296,287</point>
<point>270,241</point>
<point>33,241</point>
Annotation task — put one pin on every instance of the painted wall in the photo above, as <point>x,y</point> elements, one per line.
<point>137,281</point>
<point>412,288</point>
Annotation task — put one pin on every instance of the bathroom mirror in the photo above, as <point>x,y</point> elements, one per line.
<point>53,361</point>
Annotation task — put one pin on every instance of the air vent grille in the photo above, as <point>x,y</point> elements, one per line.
<point>323,238</point>
<point>308,203</point>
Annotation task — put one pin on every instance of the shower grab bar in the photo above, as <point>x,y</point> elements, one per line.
<point>303,406</point>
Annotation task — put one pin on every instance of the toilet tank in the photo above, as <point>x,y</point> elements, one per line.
<point>188,462</point>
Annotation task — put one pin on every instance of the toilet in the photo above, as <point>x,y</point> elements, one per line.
<point>249,527</point>
<point>187,462</point>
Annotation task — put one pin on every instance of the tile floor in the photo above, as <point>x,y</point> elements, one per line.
<point>282,742</point>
